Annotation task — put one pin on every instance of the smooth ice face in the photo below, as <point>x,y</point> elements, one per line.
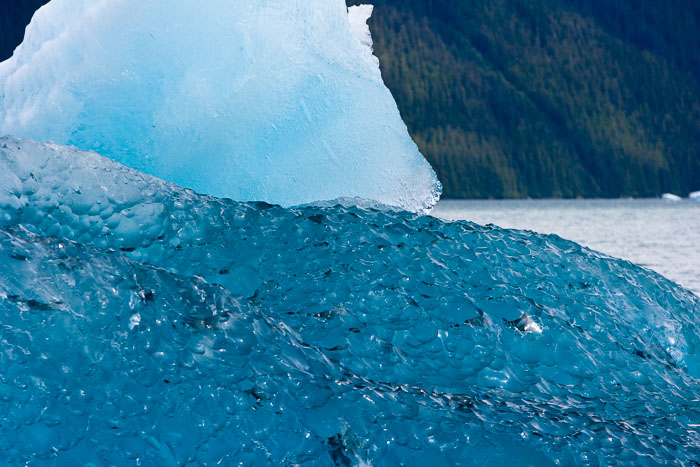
<point>248,99</point>
<point>247,333</point>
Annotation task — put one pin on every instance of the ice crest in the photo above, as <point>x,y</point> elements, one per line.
<point>358,16</point>
<point>251,100</point>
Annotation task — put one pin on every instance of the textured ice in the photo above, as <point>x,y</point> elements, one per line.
<point>358,16</point>
<point>140,322</point>
<point>247,99</point>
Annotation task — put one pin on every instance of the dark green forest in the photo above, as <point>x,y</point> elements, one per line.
<point>538,98</point>
<point>548,98</point>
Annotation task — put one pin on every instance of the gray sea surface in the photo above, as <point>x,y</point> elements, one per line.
<point>657,234</point>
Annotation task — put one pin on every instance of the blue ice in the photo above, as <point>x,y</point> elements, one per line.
<point>143,323</point>
<point>248,99</point>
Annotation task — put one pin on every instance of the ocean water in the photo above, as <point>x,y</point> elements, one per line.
<point>144,324</point>
<point>657,234</point>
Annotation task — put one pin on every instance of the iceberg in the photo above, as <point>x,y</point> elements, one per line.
<point>671,197</point>
<point>145,323</point>
<point>695,195</point>
<point>280,102</point>
<point>156,309</point>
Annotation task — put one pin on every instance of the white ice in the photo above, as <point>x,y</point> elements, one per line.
<point>358,16</point>
<point>248,99</point>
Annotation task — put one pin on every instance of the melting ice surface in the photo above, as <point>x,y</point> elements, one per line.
<point>141,322</point>
<point>247,99</point>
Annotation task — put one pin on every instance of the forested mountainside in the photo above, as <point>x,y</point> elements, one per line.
<point>548,98</point>
<point>539,98</point>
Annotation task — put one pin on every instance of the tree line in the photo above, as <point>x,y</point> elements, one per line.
<point>548,98</point>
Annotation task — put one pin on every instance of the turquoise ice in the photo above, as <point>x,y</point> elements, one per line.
<point>143,322</point>
<point>248,99</point>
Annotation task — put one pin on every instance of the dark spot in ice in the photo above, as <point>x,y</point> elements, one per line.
<point>262,205</point>
<point>37,305</point>
<point>479,321</point>
<point>338,451</point>
<point>127,250</point>
<point>258,397</point>
<point>519,323</point>
<point>32,303</point>
<point>317,218</point>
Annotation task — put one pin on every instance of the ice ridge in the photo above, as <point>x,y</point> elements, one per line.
<point>321,334</point>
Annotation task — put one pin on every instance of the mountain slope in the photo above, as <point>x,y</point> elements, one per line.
<point>541,98</point>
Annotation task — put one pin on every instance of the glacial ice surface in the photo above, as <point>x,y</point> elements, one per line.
<point>141,322</point>
<point>253,100</point>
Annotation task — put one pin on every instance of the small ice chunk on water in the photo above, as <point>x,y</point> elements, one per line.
<point>671,197</point>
